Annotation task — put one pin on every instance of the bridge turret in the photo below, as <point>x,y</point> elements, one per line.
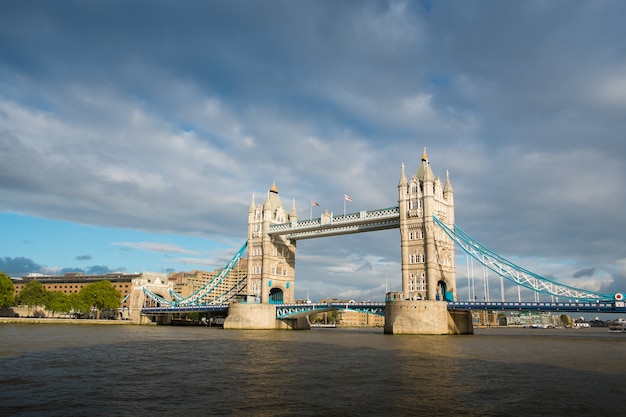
<point>271,263</point>
<point>403,182</point>
<point>404,204</point>
<point>252,206</point>
<point>251,213</point>
<point>448,192</point>
<point>403,193</point>
<point>428,270</point>
<point>428,180</point>
<point>448,195</point>
<point>293,216</point>
<point>429,251</point>
<point>266,203</point>
<point>425,172</point>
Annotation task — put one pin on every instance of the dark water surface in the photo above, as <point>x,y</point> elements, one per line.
<point>87,370</point>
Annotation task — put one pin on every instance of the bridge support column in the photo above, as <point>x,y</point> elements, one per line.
<point>425,317</point>
<point>243,316</point>
<point>141,319</point>
<point>299,323</point>
<point>250,316</point>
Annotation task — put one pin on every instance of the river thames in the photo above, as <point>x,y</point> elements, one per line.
<point>94,370</point>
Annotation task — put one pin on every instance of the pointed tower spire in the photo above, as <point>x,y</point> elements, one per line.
<point>293,216</point>
<point>425,172</point>
<point>403,180</point>
<point>251,209</point>
<point>448,187</point>
<point>273,199</point>
<point>266,204</point>
<point>273,188</point>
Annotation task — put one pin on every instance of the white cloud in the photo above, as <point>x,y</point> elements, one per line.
<point>194,261</point>
<point>149,136</point>
<point>610,89</point>
<point>156,247</point>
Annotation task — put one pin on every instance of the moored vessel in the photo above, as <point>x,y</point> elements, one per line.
<point>618,326</point>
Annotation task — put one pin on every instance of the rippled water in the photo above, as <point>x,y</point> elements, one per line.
<point>86,370</point>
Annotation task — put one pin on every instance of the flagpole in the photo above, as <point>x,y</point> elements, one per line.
<point>346,197</point>
<point>313,203</point>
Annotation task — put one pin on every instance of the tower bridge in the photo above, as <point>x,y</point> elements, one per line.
<point>428,270</point>
<point>427,254</point>
<point>428,302</point>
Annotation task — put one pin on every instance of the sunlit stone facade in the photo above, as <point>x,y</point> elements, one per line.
<point>428,265</point>
<point>271,259</point>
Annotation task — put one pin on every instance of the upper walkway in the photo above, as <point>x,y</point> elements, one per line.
<point>330,225</point>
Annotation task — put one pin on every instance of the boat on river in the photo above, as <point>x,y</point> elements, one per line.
<point>618,326</point>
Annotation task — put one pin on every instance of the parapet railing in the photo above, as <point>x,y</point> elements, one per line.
<point>332,221</point>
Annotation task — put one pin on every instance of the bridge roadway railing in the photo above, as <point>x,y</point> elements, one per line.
<point>367,220</point>
<point>590,306</point>
<point>295,310</point>
<point>298,310</point>
<point>184,309</point>
<point>284,311</point>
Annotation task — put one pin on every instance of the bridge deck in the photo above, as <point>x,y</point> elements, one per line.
<point>295,310</point>
<point>598,306</point>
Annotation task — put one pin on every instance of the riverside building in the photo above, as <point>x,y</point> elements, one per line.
<point>186,283</point>
<point>73,282</point>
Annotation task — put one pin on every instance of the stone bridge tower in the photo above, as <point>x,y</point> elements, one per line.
<point>428,264</point>
<point>271,259</point>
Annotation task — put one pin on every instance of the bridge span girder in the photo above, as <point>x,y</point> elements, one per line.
<point>329,225</point>
<point>344,230</point>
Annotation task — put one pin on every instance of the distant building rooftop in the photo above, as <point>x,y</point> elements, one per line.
<point>76,277</point>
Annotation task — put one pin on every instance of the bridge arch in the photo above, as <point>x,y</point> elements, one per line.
<point>443,291</point>
<point>276,296</point>
<point>149,289</point>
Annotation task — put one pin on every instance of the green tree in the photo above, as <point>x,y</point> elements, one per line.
<point>332,316</point>
<point>101,295</point>
<point>6,291</point>
<point>58,302</point>
<point>565,320</point>
<point>33,294</point>
<point>77,304</point>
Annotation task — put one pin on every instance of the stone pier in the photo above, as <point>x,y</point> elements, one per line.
<point>426,317</point>
<point>244,316</point>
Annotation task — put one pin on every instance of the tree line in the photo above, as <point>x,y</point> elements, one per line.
<point>97,296</point>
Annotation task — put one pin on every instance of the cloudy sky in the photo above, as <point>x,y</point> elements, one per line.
<point>134,134</point>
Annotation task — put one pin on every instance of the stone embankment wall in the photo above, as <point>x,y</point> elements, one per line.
<point>40,315</point>
<point>44,320</point>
